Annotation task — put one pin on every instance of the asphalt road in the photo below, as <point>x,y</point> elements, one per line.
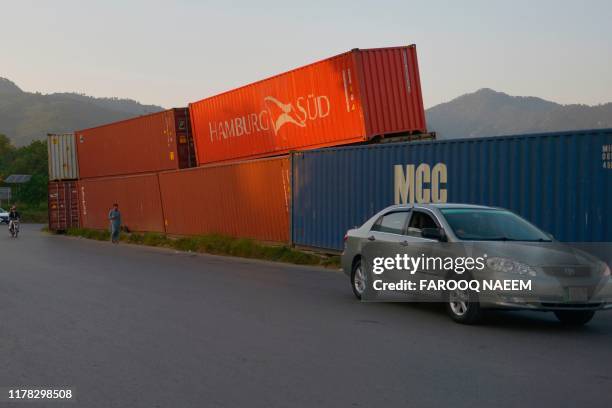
<point>129,326</point>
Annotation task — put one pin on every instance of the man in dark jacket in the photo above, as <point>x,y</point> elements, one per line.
<point>13,216</point>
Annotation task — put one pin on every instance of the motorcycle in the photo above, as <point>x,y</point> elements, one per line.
<point>14,228</point>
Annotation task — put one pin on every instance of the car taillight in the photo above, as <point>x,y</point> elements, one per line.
<point>345,237</point>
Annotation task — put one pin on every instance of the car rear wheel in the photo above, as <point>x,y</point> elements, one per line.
<point>358,280</point>
<point>574,317</point>
<point>463,306</point>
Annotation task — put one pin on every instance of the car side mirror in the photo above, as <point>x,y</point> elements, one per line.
<point>434,233</point>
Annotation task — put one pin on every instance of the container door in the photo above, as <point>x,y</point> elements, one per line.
<point>184,140</point>
<point>73,205</point>
<point>52,195</point>
<point>63,206</point>
<point>186,151</point>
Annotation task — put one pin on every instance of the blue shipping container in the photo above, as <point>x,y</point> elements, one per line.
<point>562,182</point>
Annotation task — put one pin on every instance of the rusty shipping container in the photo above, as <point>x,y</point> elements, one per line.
<point>138,197</point>
<point>345,99</point>
<point>62,156</point>
<point>63,201</point>
<point>156,142</point>
<point>246,199</point>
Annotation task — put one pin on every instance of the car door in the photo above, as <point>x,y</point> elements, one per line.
<point>385,235</point>
<point>383,241</point>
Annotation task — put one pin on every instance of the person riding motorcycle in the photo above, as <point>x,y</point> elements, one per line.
<point>13,216</point>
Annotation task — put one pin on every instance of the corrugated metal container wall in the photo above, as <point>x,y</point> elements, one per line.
<point>344,99</point>
<point>63,201</point>
<point>246,199</point>
<point>562,182</point>
<point>138,197</point>
<point>62,152</point>
<point>139,145</point>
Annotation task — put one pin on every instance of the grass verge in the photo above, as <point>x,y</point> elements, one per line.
<point>218,245</point>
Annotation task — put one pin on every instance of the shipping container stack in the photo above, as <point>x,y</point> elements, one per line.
<point>62,192</point>
<point>244,138</point>
<point>293,159</point>
<point>119,163</point>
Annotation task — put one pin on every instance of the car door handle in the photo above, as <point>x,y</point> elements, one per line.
<point>371,238</point>
<point>404,243</point>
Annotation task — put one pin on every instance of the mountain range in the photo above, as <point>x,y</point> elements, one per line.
<point>26,116</point>
<point>490,113</point>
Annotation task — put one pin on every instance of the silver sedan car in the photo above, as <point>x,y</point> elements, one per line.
<point>568,281</point>
<point>4,216</point>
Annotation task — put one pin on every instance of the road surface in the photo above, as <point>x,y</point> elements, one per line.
<point>130,326</point>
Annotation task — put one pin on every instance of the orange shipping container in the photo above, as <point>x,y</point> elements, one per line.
<point>138,197</point>
<point>149,143</point>
<point>348,98</point>
<point>245,199</point>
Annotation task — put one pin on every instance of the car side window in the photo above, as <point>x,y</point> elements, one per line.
<point>418,221</point>
<point>393,223</point>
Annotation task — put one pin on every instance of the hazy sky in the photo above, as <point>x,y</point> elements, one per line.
<point>173,52</point>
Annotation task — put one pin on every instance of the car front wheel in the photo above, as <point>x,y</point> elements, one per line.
<point>574,317</point>
<point>463,306</point>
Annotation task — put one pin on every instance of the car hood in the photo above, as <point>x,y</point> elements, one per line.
<point>537,253</point>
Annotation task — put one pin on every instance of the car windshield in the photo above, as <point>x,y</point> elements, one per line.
<point>475,224</point>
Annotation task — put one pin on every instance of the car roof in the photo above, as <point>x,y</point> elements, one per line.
<point>441,206</point>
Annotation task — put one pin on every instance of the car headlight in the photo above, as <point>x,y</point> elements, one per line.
<point>506,265</point>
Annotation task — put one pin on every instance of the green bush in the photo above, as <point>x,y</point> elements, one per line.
<point>155,239</point>
<point>132,238</point>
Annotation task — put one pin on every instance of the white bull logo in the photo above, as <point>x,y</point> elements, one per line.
<point>288,114</point>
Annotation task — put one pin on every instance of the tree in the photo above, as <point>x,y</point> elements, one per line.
<point>30,159</point>
<point>7,152</point>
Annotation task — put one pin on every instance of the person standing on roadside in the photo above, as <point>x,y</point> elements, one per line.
<point>114,216</point>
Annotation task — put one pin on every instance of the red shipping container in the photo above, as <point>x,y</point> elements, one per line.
<point>348,98</point>
<point>138,197</point>
<point>245,199</point>
<point>63,205</point>
<point>155,142</point>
